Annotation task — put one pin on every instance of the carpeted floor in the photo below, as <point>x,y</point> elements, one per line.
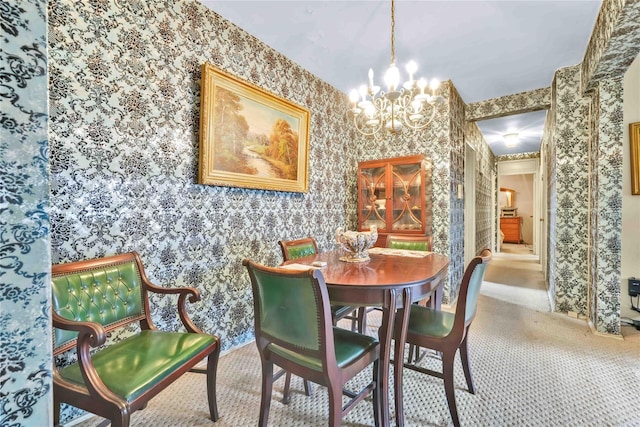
<point>531,368</point>
<point>514,275</point>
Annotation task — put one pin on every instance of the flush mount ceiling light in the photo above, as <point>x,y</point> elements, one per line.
<point>375,113</point>
<point>510,139</point>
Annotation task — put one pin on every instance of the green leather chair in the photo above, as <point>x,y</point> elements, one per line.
<point>293,249</point>
<point>294,330</point>
<point>91,299</point>
<point>411,242</point>
<point>447,332</point>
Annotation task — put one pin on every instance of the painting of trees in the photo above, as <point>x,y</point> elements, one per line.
<point>230,132</point>
<point>283,147</point>
<point>249,137</point>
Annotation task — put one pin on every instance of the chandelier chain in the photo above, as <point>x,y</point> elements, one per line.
<point>393,32</point>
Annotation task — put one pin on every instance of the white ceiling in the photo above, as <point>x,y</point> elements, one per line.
<point>486,48</point>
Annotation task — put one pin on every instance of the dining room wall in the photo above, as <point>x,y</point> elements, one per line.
<point>567,174</point>
<point>124,132</point>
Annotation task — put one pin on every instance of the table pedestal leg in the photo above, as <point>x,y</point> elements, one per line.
<point>399,355</point>
<point>385,334</point>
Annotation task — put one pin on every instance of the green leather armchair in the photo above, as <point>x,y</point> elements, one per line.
<point>95,297</point>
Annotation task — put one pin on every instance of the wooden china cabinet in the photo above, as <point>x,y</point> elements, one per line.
<point>395,195</point>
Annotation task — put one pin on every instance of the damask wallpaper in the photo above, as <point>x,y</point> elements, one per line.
<point>571,139</point>
<point>548,155</point>
<point>518,103</point>
<point>25,257</point>
<point>606,205</point>
<point>614,43</point>
<point>485,173</point>
<point>121,162</point>
<point>583,143</point>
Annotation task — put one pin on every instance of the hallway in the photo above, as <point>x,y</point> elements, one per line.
<point>515,275</point>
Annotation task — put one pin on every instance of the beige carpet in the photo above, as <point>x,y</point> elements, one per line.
<point>515,275</point>
<point>531,368</point>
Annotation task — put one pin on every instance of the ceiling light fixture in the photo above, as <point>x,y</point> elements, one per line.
<point>510,139</point>
<point>410,105</point>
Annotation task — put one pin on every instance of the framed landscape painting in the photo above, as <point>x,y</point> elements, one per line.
<point>249,137</point>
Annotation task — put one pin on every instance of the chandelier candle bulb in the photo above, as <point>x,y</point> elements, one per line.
<point>412,67</point>
<point>434,85</point>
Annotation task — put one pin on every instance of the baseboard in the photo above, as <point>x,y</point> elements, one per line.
<point>594,331</point>
<point>78,420</point>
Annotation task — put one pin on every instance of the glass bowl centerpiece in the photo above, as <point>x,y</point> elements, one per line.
<point>356,244</point>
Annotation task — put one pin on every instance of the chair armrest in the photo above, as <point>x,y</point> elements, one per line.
<point>184,292</point>
<point>90,334</point>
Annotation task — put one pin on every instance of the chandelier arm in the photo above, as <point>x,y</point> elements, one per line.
<point>425,124</point>
<point>357,119</point>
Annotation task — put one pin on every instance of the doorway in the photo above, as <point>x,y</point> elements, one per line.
<point>521,176</point>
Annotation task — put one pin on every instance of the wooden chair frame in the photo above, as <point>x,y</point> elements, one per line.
<point>447,346</point>
<point>95,396</point>
<point>331,375</point>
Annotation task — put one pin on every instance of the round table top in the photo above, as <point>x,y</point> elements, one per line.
<point>380,271</point>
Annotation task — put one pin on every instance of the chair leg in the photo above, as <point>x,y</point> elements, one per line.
<point>56,411</point>
<point>335,405</point>
<point>377,401</point>
<point>307,387</point>
<point>362,320</point>
<point>464,357</point>
<point>286,397</point>
<point>447,375</point>
<point>267,387</point>
<point>122,421</point>
<point>212,367</point>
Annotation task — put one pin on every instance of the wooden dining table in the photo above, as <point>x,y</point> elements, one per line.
<point>391,279</point>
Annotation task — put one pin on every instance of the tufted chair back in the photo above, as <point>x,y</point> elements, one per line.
<point>292,249</point>
<point>414,243</point>
<point>111,295</point>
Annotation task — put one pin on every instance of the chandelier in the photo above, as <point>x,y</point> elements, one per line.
<point>375,112</point>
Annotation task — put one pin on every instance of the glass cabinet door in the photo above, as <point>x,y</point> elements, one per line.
<point>373,198</point>
<point>407,197</point>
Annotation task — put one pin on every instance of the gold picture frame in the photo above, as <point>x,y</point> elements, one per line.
<point>249,137</point>
<point>634,145</point>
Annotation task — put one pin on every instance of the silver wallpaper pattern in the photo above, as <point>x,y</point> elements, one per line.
<point>614,43</point>
<point>25,256</point>
<point>571,138</point>
<point>606,206</point>
<point>519,156</point>
<point>524,102</point>
<point>485,170</point>
<point>456,176</point>
<point>124,153</point>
